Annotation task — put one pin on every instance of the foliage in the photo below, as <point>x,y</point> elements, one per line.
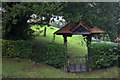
<point>103,55</point>
<point>101,15</point>
<point>8,49</point>
<point>50,53</point>
<point>48,9</point>
<point>15,26</point>
<point>19,48</point>
<point>36,30</point>
<point>105,35</point>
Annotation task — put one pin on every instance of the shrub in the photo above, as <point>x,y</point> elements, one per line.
<point>24,48</point>
<point>8,49</point>
<point>56,55</point>
<point>48,53</point>
<point>19,48</point>
<point>103,55</point>
<point>51,54</point>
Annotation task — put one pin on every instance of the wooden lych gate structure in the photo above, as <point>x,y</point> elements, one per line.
<point>78,28</point>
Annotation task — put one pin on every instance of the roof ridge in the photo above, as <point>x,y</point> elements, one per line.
<point>80,23</point>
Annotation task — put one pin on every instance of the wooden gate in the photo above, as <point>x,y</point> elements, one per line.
<point>77,66</point>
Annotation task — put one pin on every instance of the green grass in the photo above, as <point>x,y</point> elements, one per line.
<point>22,68</point>
<point>28,69</point>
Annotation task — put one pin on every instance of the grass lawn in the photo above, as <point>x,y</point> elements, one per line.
<point>22,68</point>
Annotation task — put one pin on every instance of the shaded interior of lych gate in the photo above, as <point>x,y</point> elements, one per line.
<point>78,28</point>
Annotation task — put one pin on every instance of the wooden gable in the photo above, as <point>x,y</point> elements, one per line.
<point>80,30</point>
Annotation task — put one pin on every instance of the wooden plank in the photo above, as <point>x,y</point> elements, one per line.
<point>78,67</point>
<point>74,67</point>
<point>83,67</point>
<point>71,68</point>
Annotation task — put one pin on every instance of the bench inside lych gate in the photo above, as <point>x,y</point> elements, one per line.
<point>77,66</point>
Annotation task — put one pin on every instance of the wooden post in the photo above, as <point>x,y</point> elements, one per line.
<point>65,43</point>
<point>45,32</point>
<point>88,43</point>
<point>88,46</point>
<point>65,40</point>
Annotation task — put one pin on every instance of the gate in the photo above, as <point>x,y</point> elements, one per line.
<point>77,66</point>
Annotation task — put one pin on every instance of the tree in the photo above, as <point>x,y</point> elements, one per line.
<point>15,20</point>
<point>15,24</point>
<point>47,9</point>
<point>105,15</point>
<point>101,15</point>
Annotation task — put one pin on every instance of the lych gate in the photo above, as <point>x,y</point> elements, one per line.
<point>78,28</point>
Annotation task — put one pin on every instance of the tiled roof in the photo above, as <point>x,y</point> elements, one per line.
<point>94,30</point>
<point>118,39</point>
<point>71,27</point>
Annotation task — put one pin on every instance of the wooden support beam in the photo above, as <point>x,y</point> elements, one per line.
<point>65,43</point>
<point>65,40</point>
<point>89,38</point>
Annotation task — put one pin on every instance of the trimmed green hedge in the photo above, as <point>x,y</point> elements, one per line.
<point>103,55</point>
<point>49,53</point>
<point>19,48</point>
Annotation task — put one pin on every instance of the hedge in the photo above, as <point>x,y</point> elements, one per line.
<point>19,48</point>
<point>51,54</point>
<point>48,53</point>
<point>103,55</point>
